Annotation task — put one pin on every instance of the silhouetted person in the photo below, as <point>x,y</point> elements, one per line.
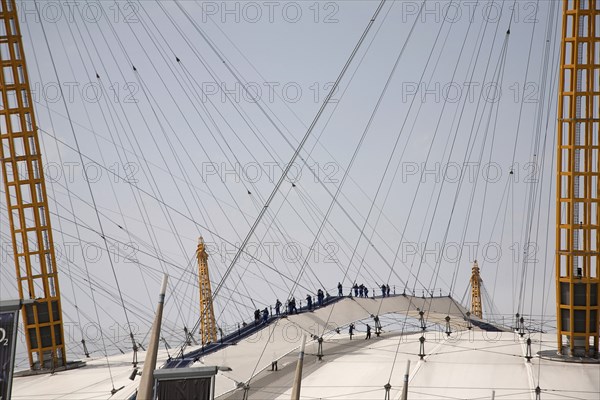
<point>277,307</point>
<point>256,316</point>
<point>355,287</point>
<point>293,308</point>
<point>309,302</point>
<point>340,293</point>
<point>387,287</point>
<point>320,297</point>
<point>366,292</point>
<point>351,330</point>
<point>368,332</point>
<point>383,290</point>
<point>265,314</point>
<point>361,290</point>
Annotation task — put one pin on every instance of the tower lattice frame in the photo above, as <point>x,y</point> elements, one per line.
<point>578,173</point>
<point>27,201</point>
<point>208,325</point>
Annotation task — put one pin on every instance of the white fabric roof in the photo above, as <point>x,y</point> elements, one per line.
<point>467,365</point>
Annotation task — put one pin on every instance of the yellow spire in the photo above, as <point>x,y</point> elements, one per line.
<point>25,188</point>
<point>577,177</point>
<point>208,325</point>
<point>476,308</point>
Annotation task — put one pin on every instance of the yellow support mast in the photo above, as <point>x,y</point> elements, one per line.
<point>208,325</point>
<point>476,308</point>
<point>27,202</point>
<point>578,177</point>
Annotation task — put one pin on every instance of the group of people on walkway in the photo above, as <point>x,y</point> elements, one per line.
<point>320,299</point>
<point>362,291</point>
<point>352,328</point>
<point>257,315</point>
<point>291,308</point>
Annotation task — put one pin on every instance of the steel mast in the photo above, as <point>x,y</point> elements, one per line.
<point>27,202</point>
<point>476,308</point>
<point>578,173</point>
<point>208,325</point>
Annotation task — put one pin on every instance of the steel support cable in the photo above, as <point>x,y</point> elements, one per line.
<point>551,25</point>
<point>124,221</point>
<point>498,78</point>
<point>158,272</point>
<point>156,199</point>
<point>317,141</point>
<point>173,284</point>
<point>389,160</point>
<point>469,151</point>
<point>338,190</point>
<point>429,153</point>
<point>485,191</point>
<point>279,229</point>
<point>36,62</point>
<point>527,223</point>
<point>165,212</point>
<point>155,187</point>
<point>403,152</point>
<point>470,146</point>
<point>119,146</point>
<point>231,69</point>
<point>249,263</point>
<point>296,153</point>
<point>148,94</point>
<point>300,146</point>
<point>108,238</point>
<point>506,193</point>
<point>305,202</point>
<point>246,119</point>
<point>541,153</point>
<point>245,146</point>
<point>403,233</point>
<point>87,180</point>
<point>304,161</point>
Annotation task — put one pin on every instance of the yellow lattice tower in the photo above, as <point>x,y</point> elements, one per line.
<point>476,308</point>
<point>208,325</point>
<point>27,202</point>
<point>578,173</point>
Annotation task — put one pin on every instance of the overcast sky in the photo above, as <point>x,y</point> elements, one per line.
<point>178,149</point>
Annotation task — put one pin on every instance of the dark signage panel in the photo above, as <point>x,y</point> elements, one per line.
<point>7,347</point>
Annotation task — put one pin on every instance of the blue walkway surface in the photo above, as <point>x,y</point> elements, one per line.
<point>233,338</point>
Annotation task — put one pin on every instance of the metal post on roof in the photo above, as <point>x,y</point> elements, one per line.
<point>405,387</point>
<point>422,347</point>
<point>298,377</point>
<point>320,351</point>
<point>147,381</point>
<point>387,388</point>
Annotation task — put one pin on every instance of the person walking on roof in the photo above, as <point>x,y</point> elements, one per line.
<point>340,293</point>
<point>387,287</point>
<point>383,289</point>
<point>361,290</point>
<point>293,309</point>
<point>355,287</point>
<point>309,302</point>
<point>265,314</point>
<point>368,332</point>
<point>366,292</point>
<point>320,297</point>
<point>277,307</point>
<point>256,316</point>
<point>351,330</point>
